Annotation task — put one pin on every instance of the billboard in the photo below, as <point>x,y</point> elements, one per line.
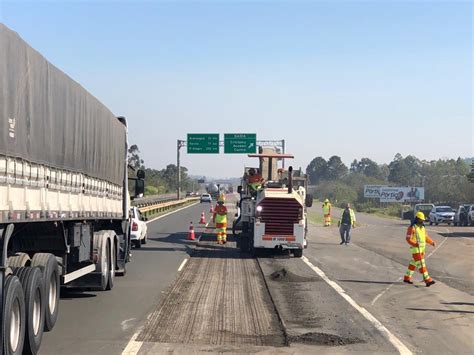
<point>402,194</point>
<point>372,191</point>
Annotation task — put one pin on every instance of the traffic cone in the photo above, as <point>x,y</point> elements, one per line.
<point>203,218</point>
<point>211,210</point>
<point>191,235</point>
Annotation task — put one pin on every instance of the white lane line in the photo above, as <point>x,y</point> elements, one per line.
<point>174,211</point>
<point>402,349</point>
<point>133,346</point>
<point>182,265</point>
<point>400,278</point>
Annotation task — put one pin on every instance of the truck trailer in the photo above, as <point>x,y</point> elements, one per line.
<point>64,205</point>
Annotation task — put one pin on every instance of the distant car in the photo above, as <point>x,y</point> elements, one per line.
<point>426,208</point>
<point>138,235</point>
<point>441,214</point>
<point>189,194</point>
<point>206,198</point>
<point>470,216</point>
<point>460,218</point>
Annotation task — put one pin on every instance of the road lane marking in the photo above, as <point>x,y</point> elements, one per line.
<point>133,346</point>
<point>182,265</point>
<point>126,323</point>
<point>174,211</point>
<point>402,349</point>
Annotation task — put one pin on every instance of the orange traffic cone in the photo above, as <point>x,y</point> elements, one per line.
<point>203,218</point>
<point>211,210</point>
<point>191,235</point>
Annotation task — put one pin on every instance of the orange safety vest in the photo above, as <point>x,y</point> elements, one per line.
<point>220,214</point>
<point>417,238</point>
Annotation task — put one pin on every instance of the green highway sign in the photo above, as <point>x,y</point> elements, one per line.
<point>203,143</point>
<point>240,143</point>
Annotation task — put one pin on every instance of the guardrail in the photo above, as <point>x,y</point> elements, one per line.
<point>164,205</point>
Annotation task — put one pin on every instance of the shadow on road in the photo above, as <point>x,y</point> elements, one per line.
<point>458,235</point>
<point>438,310</point>
<point>75,293</point>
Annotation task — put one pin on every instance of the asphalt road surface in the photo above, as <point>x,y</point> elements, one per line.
<point>336,299</point>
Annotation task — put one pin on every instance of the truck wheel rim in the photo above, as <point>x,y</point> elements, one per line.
<point>105,266</point>
<point>36,312</point>
<point>15,325</point>
<point>52,293</point>
<point>112,262</point>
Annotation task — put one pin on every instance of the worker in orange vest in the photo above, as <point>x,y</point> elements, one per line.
<point>417,238</point>
<point>220,220</point>
<point>327,213</point>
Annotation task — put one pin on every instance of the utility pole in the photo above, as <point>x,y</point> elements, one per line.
<point>283,149</point>
<point>180,144</point>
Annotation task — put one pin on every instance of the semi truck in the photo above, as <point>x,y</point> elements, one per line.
<point>274,216</point>
<point>64,203</point>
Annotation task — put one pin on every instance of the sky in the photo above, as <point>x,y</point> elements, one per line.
<point>347,78</point>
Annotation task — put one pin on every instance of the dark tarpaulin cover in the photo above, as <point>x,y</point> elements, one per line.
<point>48,118</point>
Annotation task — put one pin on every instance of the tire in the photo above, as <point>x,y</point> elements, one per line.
<point>455,224</point>
<point>31,279</point>
<point>138,244</point>
<point>298,253</point>
<point>18,260</point>
<point>144,240</point>
<point>49,266</point>
<point>436,223</point>
<point>112,261</point>
<point>13,316</point>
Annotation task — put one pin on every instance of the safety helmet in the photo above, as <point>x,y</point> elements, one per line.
<point>326,201</point>
<point>420,215</point>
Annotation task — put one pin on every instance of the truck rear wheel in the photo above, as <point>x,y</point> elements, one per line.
<point>49,266</point>
<point>13,316</point>
<point>112,260</point>
<point>31,280</point>
<point>18,260</point>
<point>298,253</point>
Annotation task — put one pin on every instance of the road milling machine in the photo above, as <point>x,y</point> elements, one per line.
<point>273,216</point>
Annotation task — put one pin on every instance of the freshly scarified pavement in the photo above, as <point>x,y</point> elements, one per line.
<point>220,298</point>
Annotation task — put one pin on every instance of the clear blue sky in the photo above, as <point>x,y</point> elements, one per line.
<point>354,79</point>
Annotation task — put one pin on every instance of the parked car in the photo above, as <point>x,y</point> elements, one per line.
<point>470,216</point>
<point>441,214</point>
<point>206,198</point>
<point>426,208</point>
<point>138,235</point>
<point>460,218</point>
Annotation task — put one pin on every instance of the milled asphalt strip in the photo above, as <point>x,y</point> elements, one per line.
<point>133,346</point>
<point>402,349</point>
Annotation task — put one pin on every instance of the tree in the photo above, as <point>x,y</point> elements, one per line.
<point>317,170</point>
<point>367,167</point>
<point>134,160</point>
<point>335,168</point>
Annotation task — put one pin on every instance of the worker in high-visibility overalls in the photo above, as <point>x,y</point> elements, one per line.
<point>220,220</point>
<point>417,238</point>
<point>327,213</point>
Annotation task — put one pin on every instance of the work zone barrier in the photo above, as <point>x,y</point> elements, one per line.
<point>162,206</point>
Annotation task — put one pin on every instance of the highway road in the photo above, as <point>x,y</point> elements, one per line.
<point>335,299</point>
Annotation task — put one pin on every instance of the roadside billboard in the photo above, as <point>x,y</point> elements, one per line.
<point>402,194</point>
<point>372,191</point>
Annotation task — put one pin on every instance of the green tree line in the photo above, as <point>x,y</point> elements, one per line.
<point>445,180</point>
<point>158,181</point>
